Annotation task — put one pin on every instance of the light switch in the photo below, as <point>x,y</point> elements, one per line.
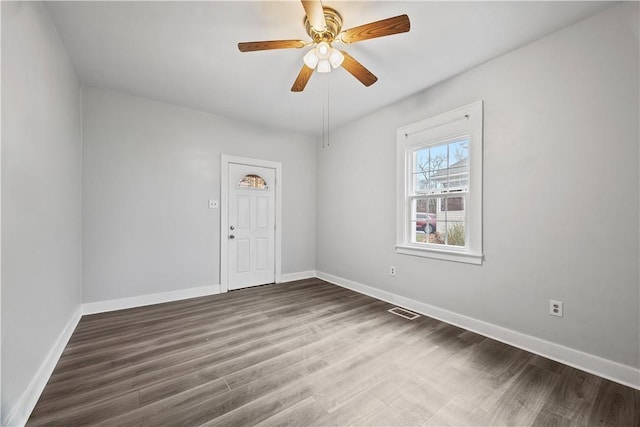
<point>213,204</point>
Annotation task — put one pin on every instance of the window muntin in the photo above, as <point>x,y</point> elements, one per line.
<point>440,186</point>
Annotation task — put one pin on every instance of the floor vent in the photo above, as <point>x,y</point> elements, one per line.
<point>404,313</point>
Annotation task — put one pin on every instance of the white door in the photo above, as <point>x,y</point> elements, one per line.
<point>251,226</point>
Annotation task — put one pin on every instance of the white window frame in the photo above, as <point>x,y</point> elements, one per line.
<point>464,121</point>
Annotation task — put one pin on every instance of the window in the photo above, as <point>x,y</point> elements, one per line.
<point>253,181</point>
<point>440,186</point>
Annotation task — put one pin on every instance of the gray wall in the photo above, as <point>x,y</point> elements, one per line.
<point>149,169</point>
<point>41,194</point>
<point>560,192</point>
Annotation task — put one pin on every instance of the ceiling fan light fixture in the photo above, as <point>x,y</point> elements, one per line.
<point>324,66</point>
<point>323,58</point>
<point>311,59</point>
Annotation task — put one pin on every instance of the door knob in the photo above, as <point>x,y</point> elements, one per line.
<point>232,228</point>
<point>231,236</point>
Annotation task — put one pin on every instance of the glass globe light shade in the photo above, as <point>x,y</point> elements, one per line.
<point>323,50</point>
<point>324,66</point>
<point>311,59</point>
<point>335,58</point>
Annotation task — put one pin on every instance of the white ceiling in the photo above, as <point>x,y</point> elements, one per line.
<point>186,53</point>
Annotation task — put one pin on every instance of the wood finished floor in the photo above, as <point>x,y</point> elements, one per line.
<point>309,353</point>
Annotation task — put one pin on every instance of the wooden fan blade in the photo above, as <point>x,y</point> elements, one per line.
<point>315,14</point>
<point>302,79</point>
<point>358,70</point>
<point>271,44</point>
<point>386,27</point>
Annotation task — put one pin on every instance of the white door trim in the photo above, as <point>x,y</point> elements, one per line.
<point>224,213</point>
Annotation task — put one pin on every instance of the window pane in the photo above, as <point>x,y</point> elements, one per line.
<point>455,204</point>
<point>458,153</point>
<point>438,158</point>
<point>453,231</point>
<point>420,182</point>
<point>421,170</point>
<point>424,219</point>
<point>438,171</point>
<point>439,220</point>
<point>458,164</point>
<point>436,183</point>
<point>422,159</point>
<point>458,176</point>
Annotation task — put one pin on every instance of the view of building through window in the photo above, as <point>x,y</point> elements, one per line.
<point>440,184</point>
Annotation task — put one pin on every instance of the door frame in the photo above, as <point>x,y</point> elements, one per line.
<point>225,160</point>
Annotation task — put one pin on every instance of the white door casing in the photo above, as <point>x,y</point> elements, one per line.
<point>250,229</point>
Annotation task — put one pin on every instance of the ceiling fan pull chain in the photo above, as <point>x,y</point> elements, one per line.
<point>328,112</point>
<point>323,119</point>
<point>326,140</point>
<point>323,138</point>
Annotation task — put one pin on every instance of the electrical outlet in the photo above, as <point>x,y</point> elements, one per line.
<point>392,271</point>
<point>213,204</point>
<point>555,308</point>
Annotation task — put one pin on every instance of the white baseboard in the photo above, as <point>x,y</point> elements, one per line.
<point>19,414</point>
<point>149,299</point>
<point>614,371</point>
<point>290,277</point>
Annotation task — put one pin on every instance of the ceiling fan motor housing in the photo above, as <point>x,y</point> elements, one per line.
<point>334,25</point>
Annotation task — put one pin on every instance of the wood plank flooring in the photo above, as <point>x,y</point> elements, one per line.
<point>309,353</point>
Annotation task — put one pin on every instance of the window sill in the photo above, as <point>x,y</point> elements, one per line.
<point>467,258</point>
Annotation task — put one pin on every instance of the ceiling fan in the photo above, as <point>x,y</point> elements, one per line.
<point>324,26</point>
